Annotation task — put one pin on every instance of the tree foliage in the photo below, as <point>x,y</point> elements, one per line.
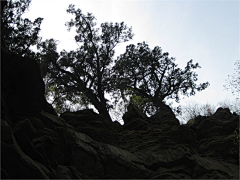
<point>153,75</point>
<point>233,81</point>
<point>19,34</point>
<point>86,74</point>
<point>86,71</point>
<point>55,93</point>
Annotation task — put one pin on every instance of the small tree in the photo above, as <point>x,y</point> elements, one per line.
<point>233,81</point>
<point>151,74</point>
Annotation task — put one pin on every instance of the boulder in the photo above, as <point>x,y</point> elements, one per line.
<point>22,89</point>
<point>165,118</point>
<point>134,118</point>
<point>222,114</point>
<point>132,112</point>
<point>48,108</point>
<point>222,122</point>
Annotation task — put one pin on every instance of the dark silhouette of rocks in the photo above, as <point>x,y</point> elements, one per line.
<point>22,88</point>
<point>38,144</point>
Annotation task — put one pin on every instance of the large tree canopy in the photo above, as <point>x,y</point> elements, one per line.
<point>153,75</point>
<point>18,34</point>
<point>86,74</point>
<point>86,71</point>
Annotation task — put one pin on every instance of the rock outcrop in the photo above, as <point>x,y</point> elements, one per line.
<point>22,88</point>
<point>38,144</point>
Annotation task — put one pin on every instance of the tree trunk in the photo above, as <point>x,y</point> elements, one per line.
<point>163,106</point>
<point>99,105</point>
<point>103,110</point>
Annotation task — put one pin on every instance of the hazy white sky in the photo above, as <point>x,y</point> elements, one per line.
<point>205,31</point>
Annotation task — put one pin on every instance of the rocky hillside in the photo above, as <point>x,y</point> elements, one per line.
<point>37,144</point>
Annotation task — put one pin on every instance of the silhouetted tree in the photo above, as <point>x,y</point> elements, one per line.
<point>233,81</point>
<point>18,34</point>
<point>153,75</point>
<point>86,71</point>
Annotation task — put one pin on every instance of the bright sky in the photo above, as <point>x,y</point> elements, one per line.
<point>205,31</point>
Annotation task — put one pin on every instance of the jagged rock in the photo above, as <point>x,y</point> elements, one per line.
<point>22,89</point>
<point>165,118</point>
<point>215,125</point>
<point>132,112</point>
<point>63,172</point>
<point>81,115</point>
<point>222,114</point>
<point>38,144</point>
<point>48,108</point>
<point>87,120</point>
<point>24,132</point>
<point>16,164</point>
<point>150,152</point>
<point>6,132</point>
